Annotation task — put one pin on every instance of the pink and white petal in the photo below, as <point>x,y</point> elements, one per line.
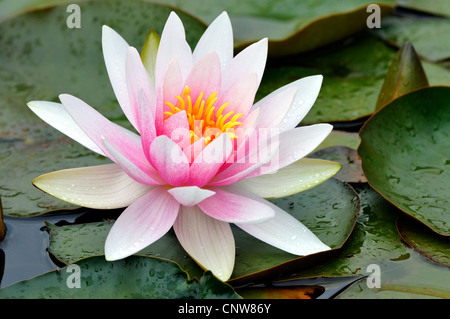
<point>275,108</point>
<point>115,50</point>
<point>240,95</point>
<point>176,127</point>
<point>56,115</point>
<point>285,232</point>
<point>236,207</point>
<point>100,187</point>
<point>193,150</point>
<point>169,160</point>
<point>148,131</point>
<point>294,145</point>
<point>133,161</point>
<point>218,37</point>
<point>249,161</point>
<point>308,90</point>
<point>294,178</point>
<point>190,195</point>
<point>209,161</point>
<point>172,46</point>
<point>95,125</point>
<point>205,76</point>
<point>208,241</point>
<point>138,84</point>
<point>250,60</point>
<point>142,223</point>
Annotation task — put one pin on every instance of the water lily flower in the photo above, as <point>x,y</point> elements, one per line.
<point>203,154</point>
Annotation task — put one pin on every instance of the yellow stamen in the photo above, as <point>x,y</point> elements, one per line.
<point>202,116</point>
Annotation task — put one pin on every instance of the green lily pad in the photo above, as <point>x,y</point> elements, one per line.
<point>425,34</point>
<point>404,75</point>
<point>41,58</point>
<point>329,210</point>
<point>340,138</point>
<point>132,278</point>
<point>405,152</point>
<point>426,242</point>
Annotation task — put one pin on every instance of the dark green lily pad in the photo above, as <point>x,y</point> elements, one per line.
<point>41,58</point>
<point>426,34</point>
<point>405,152</point>
<point>329,210</point>
<point>437,7</point>
<point>132,278</point>
<point>426,242</point>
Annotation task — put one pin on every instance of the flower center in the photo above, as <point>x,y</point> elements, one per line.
<point>204,120</point>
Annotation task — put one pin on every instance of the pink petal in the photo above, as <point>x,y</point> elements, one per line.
<point>193,150</point>
<point>208,241</point>
<point>138,84</point>
<point>206,165</point>
<point>173,46</point>
<point>232,207</point>
<point>146,122</point>
<point>96,125</point>
<point>205,76</point>
<point>190,195</point>
<point>218,37</point>
<point>251,60</point>
<point>133,161</point>
<point>241,95</point>
<point>141,224</point>
<point>115,50</point>
<point>176,127</point>
<point>169,160</point>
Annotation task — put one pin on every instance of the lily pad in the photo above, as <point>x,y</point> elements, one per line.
<point>425,33</point>
<point>41,58</point>
<point>405,152</point>
<point>132,278</point>
<point>329,210</point>
<point>340,138</point>
<point>426,242</point>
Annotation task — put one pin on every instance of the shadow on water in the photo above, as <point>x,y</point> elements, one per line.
<point>24,251</point>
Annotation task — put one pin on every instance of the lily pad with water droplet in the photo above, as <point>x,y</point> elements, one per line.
<point>132,278</point>
<point>405,152</point>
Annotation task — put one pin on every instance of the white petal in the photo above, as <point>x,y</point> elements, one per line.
<point>101,187</point>
<point>208,241</point>
<point>251,60</point>
<point>308,90</point>
<point>190,195</point>
<point>115,50</point>
<point>173,46</point>
<point>56,115</point>
<point>141,224</point>
<point>218,37</point>
<point>297,177</point>
<point>286,233</point>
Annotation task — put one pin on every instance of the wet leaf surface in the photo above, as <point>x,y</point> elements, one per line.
<point>132,278</point>
<point>405,151</point>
